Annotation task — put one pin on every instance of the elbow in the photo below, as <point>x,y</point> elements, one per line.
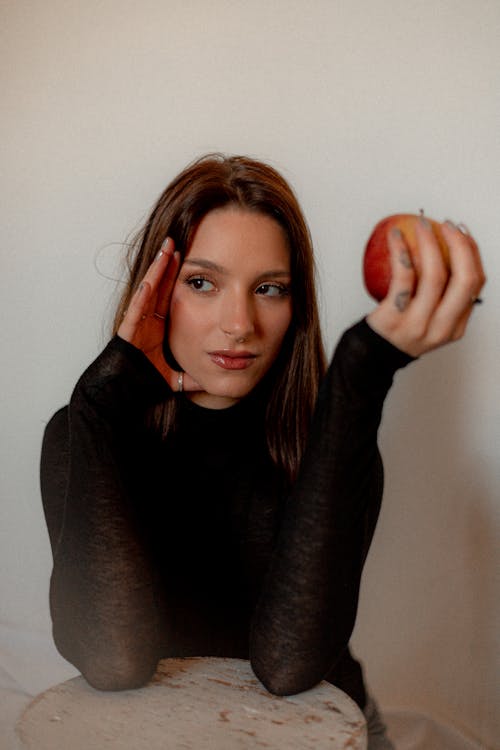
<point>282,678</point>
<point>285,663</point>
<point>124,674</point>
<point>108,658</point>
<point>273,683</point>
<point>109,668</point>
<point>281,667</point>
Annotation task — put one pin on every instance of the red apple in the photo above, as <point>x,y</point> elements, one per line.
<point>376,263</point>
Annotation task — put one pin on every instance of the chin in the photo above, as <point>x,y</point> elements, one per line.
<point>236,392</point>
<point>214,401</point>
<point>222,395</point>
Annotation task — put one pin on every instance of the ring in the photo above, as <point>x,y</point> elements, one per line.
<point>180,382</point>
<point>160,317</point>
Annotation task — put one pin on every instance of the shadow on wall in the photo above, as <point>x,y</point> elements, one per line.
<point>426,626</point>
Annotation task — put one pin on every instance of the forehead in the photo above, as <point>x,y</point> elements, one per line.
<point>233,236</point>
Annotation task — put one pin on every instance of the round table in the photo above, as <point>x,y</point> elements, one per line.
<point>192,703</point>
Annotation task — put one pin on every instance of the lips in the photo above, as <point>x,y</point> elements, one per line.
<point>232,360</point>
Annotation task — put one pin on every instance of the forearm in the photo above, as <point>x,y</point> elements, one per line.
<point>308,607</point>
<point>102,584</point>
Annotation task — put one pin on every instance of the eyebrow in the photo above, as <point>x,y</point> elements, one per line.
<point>211,266</point>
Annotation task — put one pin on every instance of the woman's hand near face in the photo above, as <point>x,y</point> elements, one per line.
<point>420,315</point>
<point>143,324</point>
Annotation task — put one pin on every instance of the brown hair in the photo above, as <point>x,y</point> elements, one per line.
<point>215,181</point>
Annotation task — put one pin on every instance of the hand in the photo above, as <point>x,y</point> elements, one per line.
<point>421,314</point>
<point>143,324</point>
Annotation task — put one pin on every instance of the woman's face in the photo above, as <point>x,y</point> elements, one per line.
<point>231,305</point>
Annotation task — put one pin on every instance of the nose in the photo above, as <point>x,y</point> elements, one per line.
<point>237,316</point>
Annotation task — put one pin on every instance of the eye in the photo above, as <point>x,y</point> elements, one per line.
<point>200,284</point>
<point>273,290</point>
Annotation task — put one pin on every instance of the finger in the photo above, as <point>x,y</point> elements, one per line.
<point>182,381</point>
<point>156,270</point>
<point>403,275</point>
<point>464,229</point>
<point>433,274</point>
<point>167,284</point>
<point>465,281</point>
<point>461,326</point>
<point>143,302</point>
<point>475,251</point>
<point>467,276</point>
<point>390,317</point>
<point>136,312</point>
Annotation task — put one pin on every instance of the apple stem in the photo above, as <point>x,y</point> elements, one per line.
<point>421,212</point>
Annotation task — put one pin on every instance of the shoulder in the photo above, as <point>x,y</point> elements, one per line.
<point>58,423</point>
<point>56,433</point>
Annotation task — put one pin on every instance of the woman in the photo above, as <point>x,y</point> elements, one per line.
<point>211,489</point>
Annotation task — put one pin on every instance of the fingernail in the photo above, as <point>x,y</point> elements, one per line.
<point>163,249</point>
<point>462,228</point>
<point>450,224</point>
<point>396,233</point>
<point>424,222</point>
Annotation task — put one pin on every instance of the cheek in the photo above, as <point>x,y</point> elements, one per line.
<point>280,326</point>
<point>178,320</point>
<point>185,324</point>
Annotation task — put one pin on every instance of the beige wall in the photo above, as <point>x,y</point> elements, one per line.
<point>369,108</point>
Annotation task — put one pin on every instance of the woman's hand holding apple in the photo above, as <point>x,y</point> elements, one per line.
<point>432,287</point>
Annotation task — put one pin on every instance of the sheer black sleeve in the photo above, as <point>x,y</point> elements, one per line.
<point>307,610</point>
<point>102,586</point>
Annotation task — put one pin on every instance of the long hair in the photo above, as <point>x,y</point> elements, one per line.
<point>212,182</point>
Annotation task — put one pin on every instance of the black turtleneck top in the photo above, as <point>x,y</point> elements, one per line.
<point>194,544</point>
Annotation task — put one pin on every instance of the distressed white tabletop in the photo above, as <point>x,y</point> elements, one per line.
<point>192,703</point>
